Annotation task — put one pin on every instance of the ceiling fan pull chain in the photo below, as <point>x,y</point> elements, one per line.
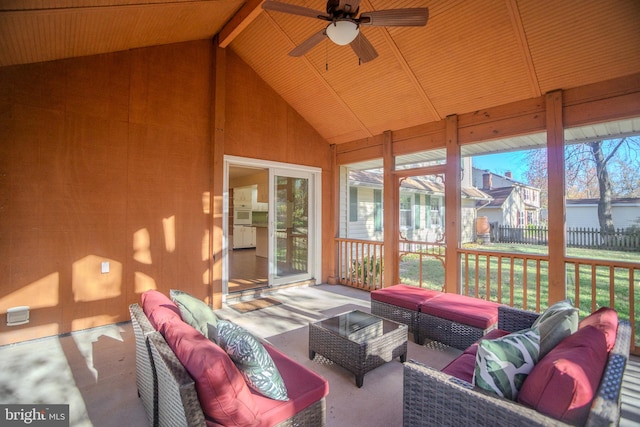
<point>326,56</point>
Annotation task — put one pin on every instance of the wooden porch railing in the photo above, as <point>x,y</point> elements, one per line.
<point>515,279</point>
<point>519,280</point>
<point>360,263</point>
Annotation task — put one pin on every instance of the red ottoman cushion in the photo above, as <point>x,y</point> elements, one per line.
<point>462,309</point>
<point>405,296</point>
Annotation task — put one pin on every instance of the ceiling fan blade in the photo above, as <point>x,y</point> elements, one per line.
<point>363,48</point>
<point>308,44</point>
<point>277,6</point>
<point>413,17</point>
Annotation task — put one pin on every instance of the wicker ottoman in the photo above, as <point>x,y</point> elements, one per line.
<point>358,341</point>
<point>456,320</point>
<point>401,303</point>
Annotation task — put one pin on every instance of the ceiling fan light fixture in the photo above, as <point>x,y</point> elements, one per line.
<point>342,32</point>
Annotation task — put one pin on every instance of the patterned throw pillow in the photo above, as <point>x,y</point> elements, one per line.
<point>560,306</point>
<point>195,312</point>
<point>555,324</point>
<point>502,364</point>
<point>251,358</point>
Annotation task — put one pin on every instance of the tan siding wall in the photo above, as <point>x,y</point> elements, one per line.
<point>106,158</point>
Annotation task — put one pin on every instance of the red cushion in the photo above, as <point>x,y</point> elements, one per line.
<point>462,367</point>
<point>463,309</point>
<point>223,394</point>
<point>606,320</point>
<point>564,383</point>
<point>304,387</point>
<point>159,308</point>
<point>405,296</point>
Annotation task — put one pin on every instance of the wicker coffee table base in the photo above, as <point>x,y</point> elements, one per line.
<point>358,358</point>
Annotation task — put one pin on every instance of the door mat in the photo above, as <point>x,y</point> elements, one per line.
<point>256,304</point>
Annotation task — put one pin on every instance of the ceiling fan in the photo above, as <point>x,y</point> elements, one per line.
<point>344,26</point>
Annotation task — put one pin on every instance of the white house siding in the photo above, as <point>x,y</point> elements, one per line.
<point>468,217</point>
<point>494,215</point>
<point>586,216</point>
<point>344,202</point>
<point>363,228</point>
<point>512,208</point>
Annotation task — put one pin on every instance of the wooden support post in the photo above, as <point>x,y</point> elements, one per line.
<point>556,185</point>
<point>452,215</point>
<point>391,206</point>
<point>216,174</point>
<point>333,278</point>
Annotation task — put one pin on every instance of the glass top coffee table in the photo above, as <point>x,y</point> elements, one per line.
<point>358,341</point>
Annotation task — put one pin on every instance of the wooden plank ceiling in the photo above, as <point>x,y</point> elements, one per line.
<point>471,55</point>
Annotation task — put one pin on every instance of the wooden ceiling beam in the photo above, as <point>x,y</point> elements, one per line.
<point>239,22</point>
<point>521,37</point>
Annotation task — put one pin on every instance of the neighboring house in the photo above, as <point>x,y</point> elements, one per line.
<point>513,204</point>
<point>421,215</point>
<point>583,213</point>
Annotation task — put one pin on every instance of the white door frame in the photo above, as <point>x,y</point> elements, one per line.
<point>315,236</point>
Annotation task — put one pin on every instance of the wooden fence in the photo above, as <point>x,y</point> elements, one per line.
<point>583,237</point>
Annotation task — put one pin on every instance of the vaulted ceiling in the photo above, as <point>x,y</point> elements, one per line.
<point>471,55</point>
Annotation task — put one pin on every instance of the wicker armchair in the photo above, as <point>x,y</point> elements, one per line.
<point>432,398</point>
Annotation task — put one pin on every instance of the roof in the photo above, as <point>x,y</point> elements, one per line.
<point>419,184</point>
<point>471,55</point>
<point>499,196</point>
<point>618,201</point>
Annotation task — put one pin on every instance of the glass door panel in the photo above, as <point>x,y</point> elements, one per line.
<point>291,228</point>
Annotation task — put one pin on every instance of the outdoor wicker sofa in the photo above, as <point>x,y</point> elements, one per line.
<point>171,397</point>
<point>435,398</point>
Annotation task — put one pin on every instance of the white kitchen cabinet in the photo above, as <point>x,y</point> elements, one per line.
<point>242,198</point>
<point>244,237</point>
<point>263,192</point>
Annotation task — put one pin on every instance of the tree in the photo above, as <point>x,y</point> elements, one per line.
<point>601,169</point>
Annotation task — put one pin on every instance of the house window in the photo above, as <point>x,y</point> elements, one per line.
<point>435,212</point>
<point>353,204</point>
<point>377,210</point>
<point>405,211</point>
<point>417,207</point>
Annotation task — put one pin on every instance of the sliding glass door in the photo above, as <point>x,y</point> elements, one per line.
<point>291,229</point>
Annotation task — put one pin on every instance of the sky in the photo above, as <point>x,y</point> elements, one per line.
<point>503,162</point>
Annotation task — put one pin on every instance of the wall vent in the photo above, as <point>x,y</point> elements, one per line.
<point>17,315</point>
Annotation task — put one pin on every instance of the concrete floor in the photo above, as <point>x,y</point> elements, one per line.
<point>94,370</point>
